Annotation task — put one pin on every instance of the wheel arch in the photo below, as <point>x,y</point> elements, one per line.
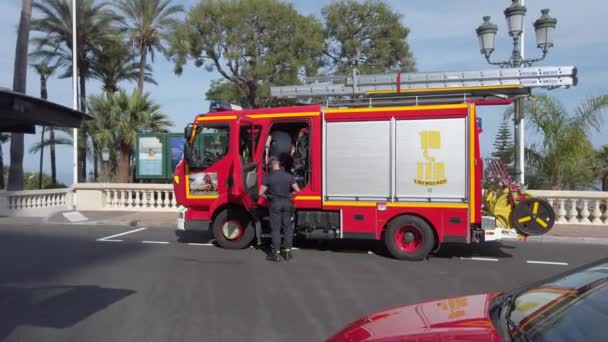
<point>227,206</point>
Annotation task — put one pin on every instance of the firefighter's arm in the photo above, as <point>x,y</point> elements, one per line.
<point>295,188</point>
<point>262,191</point>
<point>267,148</point>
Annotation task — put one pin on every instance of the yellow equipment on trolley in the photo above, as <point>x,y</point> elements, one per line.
<point>511,206</point>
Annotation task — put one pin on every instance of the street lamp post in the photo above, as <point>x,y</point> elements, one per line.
<point>544,28</point>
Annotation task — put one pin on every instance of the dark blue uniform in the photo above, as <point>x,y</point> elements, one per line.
<point>279,184</point>
<point>280,147</point>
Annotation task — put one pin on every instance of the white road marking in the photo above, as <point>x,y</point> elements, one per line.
<point>157,242</point>
<point>480,259</point>
<point>109,240</point>
<point>547,262</point>
<point>121,234</point>
<point>199,244</point>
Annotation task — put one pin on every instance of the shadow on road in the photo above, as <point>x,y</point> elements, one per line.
<point>492,249</point>
<point>57,307</point>
<point>36,257</point>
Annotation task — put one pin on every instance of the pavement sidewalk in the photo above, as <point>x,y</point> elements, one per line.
<point>559,233</point>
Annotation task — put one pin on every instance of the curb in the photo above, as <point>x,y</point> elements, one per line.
<point>561,239</point>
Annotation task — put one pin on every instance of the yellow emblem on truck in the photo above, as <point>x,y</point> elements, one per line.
<point>430,172</point>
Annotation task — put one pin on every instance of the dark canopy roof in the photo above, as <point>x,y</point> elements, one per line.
<point>20,113</point>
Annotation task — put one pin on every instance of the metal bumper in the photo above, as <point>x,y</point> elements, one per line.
<point>190,225</point>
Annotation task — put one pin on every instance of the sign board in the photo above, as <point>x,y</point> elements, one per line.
<point>150,156</point>
<point>176,149</point>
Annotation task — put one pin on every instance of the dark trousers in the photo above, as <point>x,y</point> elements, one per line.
<point>280,222</point>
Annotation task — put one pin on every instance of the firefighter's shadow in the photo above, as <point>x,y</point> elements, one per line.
<point>57,307</point>
<point>491,249</point>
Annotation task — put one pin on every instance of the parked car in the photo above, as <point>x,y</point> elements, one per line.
<point>569,307</point>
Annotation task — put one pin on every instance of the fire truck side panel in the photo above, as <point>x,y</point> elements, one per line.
<point>455,225</point>
<point>431,160</point>
<point>358,160</point>
<point>359,222</point>
<point>397,161</point>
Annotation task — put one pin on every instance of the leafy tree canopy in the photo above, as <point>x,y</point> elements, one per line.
<point>251,43</point>
<point>368,34</point>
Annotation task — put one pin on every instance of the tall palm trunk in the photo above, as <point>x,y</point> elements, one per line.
<point>143,55</point>
<point>15,173</point>
<point>43,95</point>
<point>41,157</point>
<point>124,163</point>
<point>1,167</point>
<point>52,153</point>
<point>82,133</point>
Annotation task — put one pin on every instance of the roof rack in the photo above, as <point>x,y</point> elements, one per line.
<point>435,87</point>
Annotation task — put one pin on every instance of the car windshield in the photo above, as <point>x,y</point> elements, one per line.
<point>211,144</point>
<point>572,308</point>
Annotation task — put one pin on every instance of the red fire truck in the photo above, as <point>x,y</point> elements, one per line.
<point>401,165</point>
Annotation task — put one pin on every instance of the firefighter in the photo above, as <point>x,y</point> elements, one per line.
<point>280,145</point>
<point>279,187</point>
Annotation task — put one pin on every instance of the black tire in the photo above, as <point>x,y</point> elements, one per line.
<point>232,216</point>
<point>423,238</point>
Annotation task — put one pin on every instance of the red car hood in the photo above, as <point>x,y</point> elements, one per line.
<point>454,319</point>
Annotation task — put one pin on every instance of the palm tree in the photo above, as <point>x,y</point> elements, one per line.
<point>15,174</point>
<point>565,158</point>
<point>115,63</point>
<point>95,26</point>
<point>147,23</point>
<point>601,166</point>
<point>44,70</point>
<point>119,118</point>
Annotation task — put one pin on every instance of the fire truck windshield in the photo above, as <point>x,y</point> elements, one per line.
<point>210,145</point>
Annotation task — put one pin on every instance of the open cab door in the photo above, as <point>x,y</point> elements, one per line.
<point>247,168</point>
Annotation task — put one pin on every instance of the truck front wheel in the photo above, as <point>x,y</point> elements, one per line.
<point>409,238</point>
<point>233,228</point>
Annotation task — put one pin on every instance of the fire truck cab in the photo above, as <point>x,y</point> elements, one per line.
<point>409,175</point>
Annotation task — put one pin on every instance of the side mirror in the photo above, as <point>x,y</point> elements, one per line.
<point>188,132</point>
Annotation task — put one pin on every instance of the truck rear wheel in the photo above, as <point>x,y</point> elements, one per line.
<point>409,238</point>
<point>233,228</point>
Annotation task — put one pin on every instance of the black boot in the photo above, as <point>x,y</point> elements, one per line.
<point>273,256</point>
<point>286,254</point>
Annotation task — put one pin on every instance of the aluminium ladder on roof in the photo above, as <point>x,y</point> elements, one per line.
<point>481,84</point>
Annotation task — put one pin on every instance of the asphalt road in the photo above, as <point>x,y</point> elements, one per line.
<point>88,283</point>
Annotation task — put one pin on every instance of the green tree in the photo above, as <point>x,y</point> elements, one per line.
<point>503,145</point>
<point>601,166</point>
<point>368,35</point>
<point>95,26</point>
<point>565,158</point>
<point>31,180</point>
<point>225,91</point>
<point>118,119</point>
<point>115,63</point>
<point>148,23</point>
<point>44,70</point>
<point>15,174</point>
<point>251,43</point>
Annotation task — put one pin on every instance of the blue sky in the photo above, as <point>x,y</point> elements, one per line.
<point>442,38</point>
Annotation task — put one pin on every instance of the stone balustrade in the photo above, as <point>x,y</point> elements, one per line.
<point>35,203</point>
<point>125,197</point>
<point>577,207</point>
<point>571,207</point>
